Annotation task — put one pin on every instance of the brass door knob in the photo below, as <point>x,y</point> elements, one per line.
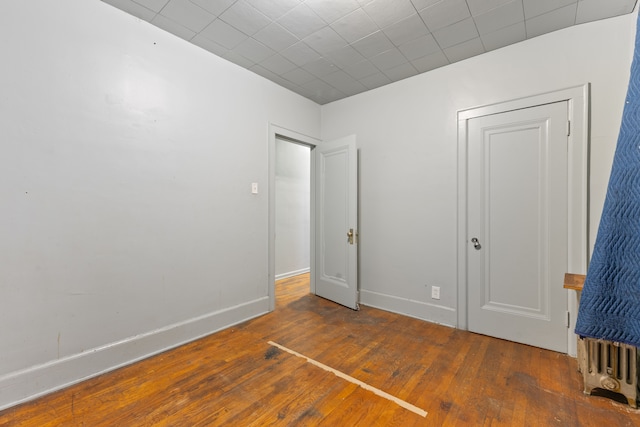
<point>350,236</point>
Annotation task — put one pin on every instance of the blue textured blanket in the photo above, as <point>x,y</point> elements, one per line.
<point>610,303</point>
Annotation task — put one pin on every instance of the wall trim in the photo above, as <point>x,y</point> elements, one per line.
<point>292,273</point>
<point>28,384</point>
<point>408,307</point>
<point>578,98</point>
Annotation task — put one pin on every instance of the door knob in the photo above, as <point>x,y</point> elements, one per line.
<point>476,244</point>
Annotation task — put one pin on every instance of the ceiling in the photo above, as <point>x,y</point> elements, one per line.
<point>326,50</point>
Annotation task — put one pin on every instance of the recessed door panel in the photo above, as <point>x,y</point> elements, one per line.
<point>336,221</point>
<point>518,212</point>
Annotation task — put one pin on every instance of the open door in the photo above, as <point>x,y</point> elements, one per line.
<point>336,204</point>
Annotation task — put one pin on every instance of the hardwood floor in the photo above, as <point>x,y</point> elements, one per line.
<point>235,377</point>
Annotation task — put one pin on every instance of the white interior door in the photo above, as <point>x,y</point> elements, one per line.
<point>517,225</point>
<point>336,218</point>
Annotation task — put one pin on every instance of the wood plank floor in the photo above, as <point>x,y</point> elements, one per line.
<point>235,377</point>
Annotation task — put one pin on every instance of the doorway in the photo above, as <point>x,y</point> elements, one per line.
<point>293,215</point>
<point>484,260</point>
<point>294,143</point>
<point>333,216</point>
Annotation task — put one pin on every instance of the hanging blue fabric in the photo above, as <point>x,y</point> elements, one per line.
<point>610,302</point>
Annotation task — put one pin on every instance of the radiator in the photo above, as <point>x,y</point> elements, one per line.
<point>609,366</point>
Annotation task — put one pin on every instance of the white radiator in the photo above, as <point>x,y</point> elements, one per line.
<point>609,366</point>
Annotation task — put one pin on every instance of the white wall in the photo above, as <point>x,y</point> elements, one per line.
<point>127,222</point>
<point>407,133</point>
<point>293,196</point>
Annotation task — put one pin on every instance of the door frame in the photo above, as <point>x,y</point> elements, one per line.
<point>578,187</point>
<point>276,131</point>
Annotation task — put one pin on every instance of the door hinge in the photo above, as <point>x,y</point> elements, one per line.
<point>568,127</point>
<point>568,319</point>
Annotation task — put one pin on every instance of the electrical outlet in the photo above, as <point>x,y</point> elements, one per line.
<point>435,292</point>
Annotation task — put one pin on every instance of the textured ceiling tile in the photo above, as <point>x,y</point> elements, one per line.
<point>260,70</point>
<point>388,59</point>
<point>421,4</point>
<point>275,78</point>
<point>300,54</point>
<point>223,34</point>
<point>276,37</point>
<point>133,9</point>
<point>187,14</point>
<point>423,46</point>
<point>552,21</point>
<point>291,86</point>
<point>299,76</point>
<point>325,40</point>
<point>308,40</point>
<point>591,10</point>
<point>302,21</point>
<point>500,17</point>
<point>278,64</point>
<point>373,44</point>
<point>344,83</point>
<point>254,50</point>
<point>375,80</point>
<point>406,30</point>
<point>238,59</point>
<point>354,89</point>
<point>534,8</point>
<point>274,9</point>
<point>401,72</point>
<point>320,67</point>
<point>215,7</point>
<point>155,5</point>
<point>445,13</point>
<point>331,10</point>
<point>355,26</point>
<point>334,97</point>
<point>478,7</point>
<point>464,50</point>
<point>456,33</point>
<point>344,56</point>
<point>430,62</point>
<point>245,18</point>
<point>361,69</point>
<point>504,36</point>
<point>209,45</point>
<point>172,27</point>
<point>310,94</point>
<point>387,12</point>
<point>322,89</point>
<point>285,83</point>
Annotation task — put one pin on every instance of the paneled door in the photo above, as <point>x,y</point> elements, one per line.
<point>336,234</point>
<point>517,225</point>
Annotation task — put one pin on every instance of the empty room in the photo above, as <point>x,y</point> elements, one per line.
<point>319,212</point>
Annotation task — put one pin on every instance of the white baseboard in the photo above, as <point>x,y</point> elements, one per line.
<point>28,384</point>
<point>408,307</point>
<point>292,273</point>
